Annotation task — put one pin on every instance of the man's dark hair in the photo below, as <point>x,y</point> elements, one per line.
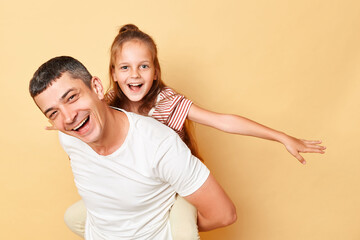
<point>53,69</point>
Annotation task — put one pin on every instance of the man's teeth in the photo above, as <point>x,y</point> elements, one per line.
<point>80,125</point>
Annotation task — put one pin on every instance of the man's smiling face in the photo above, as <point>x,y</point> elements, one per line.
<point>73,108</point>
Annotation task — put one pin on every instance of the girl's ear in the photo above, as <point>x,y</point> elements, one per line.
<point>113,75</point>
<point>97,87</point>
<point>156,75</point>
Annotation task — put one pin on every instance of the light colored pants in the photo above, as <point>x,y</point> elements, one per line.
<point>183,219</point>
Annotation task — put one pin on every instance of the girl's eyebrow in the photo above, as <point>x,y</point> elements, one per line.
<point>142,61</point>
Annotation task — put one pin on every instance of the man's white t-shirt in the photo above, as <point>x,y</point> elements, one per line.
<point>128,194</point>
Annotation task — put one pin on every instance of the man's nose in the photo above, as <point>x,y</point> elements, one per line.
<point>69,115</point>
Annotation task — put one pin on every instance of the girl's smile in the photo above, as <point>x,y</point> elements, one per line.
<point>134,70</point>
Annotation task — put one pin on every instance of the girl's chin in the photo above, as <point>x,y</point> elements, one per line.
<point>136,98</point>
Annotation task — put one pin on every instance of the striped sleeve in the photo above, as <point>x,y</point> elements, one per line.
<point>171,109</point>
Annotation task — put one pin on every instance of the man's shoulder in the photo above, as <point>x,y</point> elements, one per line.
<point>68,142</point>
<point>64,138</point>
<point>150,126</point>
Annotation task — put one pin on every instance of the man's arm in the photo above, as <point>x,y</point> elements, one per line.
<point>189,177</point>
<point>215,208</point>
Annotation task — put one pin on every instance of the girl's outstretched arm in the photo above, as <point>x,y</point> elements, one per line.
<point>243,126</point>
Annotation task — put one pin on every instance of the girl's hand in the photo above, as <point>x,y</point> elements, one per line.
<point>52,127</point>
<point>296,146</point>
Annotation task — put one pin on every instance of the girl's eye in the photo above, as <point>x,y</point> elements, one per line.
<point>124,67</point>
<point>144,66</point>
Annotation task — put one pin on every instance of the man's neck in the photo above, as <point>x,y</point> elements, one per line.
<point>115,131</point>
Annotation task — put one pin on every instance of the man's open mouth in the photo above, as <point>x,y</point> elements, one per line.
<point>81,124</point>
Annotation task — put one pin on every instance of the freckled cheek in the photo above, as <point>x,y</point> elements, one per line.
<point>123,76</point>
<point>122,85</point>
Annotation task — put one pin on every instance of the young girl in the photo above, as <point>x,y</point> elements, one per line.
<point>136,86</point>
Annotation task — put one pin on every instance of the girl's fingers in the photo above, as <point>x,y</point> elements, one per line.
<point>50,128</point>
<point>311,141</point>
<point>314,144</point>
<point>316,147</point>
<point>313,150</point>
<point>300,158</point>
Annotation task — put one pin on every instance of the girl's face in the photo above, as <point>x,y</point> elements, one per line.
<point>134,70</point>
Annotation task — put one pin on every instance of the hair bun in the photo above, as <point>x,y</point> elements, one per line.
<point>128,27</point>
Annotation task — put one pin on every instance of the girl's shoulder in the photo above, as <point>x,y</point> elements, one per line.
<point>171,109</point>
<point>167,92</point>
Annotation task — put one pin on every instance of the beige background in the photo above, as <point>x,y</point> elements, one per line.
<point>291,65</point>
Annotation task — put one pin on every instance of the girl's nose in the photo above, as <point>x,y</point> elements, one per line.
<point>135,73</point>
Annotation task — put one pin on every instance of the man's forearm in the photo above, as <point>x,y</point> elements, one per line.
<point>205,224</point>
<point>215,209</point>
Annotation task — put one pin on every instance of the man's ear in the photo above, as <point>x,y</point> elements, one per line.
<point>97,87</point>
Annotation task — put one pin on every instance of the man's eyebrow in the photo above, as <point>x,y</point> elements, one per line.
<point>48,110</point>
<point>66,93</point>
<point>61,99</point>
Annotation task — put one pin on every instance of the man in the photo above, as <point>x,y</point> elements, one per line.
<point>127,167</point>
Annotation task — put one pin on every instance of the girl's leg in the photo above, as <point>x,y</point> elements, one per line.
<point>75,218</point>
<point>183,220</point>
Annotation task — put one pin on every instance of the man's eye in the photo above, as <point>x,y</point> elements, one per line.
<point>52,115</point>
<point>72,97</point>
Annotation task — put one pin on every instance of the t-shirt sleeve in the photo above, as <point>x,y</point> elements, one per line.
<point>177,166</point>
<point>71,144</point>
<point>64,141</point>
<point>171,109</point>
